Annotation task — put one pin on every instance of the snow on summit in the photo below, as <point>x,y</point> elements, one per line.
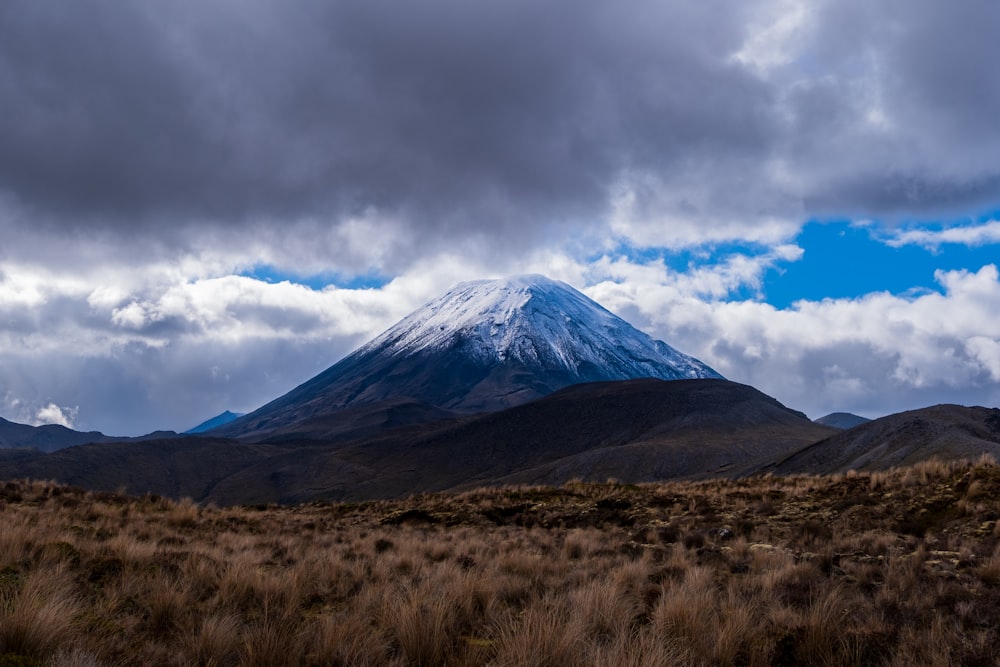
<point>535,320</point>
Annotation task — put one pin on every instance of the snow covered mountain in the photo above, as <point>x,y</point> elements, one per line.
<point>483,346</point>
<point>536,321</point>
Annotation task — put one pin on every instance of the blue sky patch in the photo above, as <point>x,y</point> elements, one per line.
<point>270,274</point>
<point>845,260</point>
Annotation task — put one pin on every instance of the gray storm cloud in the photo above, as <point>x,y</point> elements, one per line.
<point>448,121</point>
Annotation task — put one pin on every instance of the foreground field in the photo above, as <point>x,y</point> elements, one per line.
<point>897,568</point>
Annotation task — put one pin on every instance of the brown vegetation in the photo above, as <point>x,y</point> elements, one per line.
<point>890,568</point>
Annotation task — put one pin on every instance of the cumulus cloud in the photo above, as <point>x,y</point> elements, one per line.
<point>158,350</point>
<point>875,354</point>
<point>54,414</point>
<point>973,235</point>
<point>167,354</point>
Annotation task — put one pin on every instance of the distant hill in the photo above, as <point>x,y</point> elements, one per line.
<point>46,438</point>
<point>649,430</point>
<point>214,422</point>
<point>842,420</point>
<point>942,431</point>
<point>176,467</point>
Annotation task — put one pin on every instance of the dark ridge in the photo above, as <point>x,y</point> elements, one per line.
<point>946,432</point>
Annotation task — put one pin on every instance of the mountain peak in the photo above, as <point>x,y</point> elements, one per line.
<point>524,280</point>
<point>486,308</point>
<point>486,345</point>
<point>535,320</point>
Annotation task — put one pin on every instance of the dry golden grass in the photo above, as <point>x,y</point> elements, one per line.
<point>897,568</point>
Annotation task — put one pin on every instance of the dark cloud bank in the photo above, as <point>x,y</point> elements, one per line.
<point>458,119</point>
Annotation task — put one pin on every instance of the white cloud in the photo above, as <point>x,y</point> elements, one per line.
<point>730,274</point>
<point>105,297</point>
<point>19,293</point>
<point>30,286</point>
<point>875,354</point>
<point>689,208</point>
<point>54,414</point>
<point>161,349</point>
<point>986,233</point>
<point>987,352</point>
<point>775,35</point>
<point>133,316</point>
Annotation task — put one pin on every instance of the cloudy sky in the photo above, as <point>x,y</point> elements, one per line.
<point>204,203</point>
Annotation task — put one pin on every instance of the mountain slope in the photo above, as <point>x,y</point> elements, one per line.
<point>483,346</point>
<point>359,421</point>
<point>636,430</point>
<point>942,431</point>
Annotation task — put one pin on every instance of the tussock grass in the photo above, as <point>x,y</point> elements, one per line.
<point>890,568</point>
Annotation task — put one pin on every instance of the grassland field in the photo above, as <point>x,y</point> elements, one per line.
<point>891,568</point>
